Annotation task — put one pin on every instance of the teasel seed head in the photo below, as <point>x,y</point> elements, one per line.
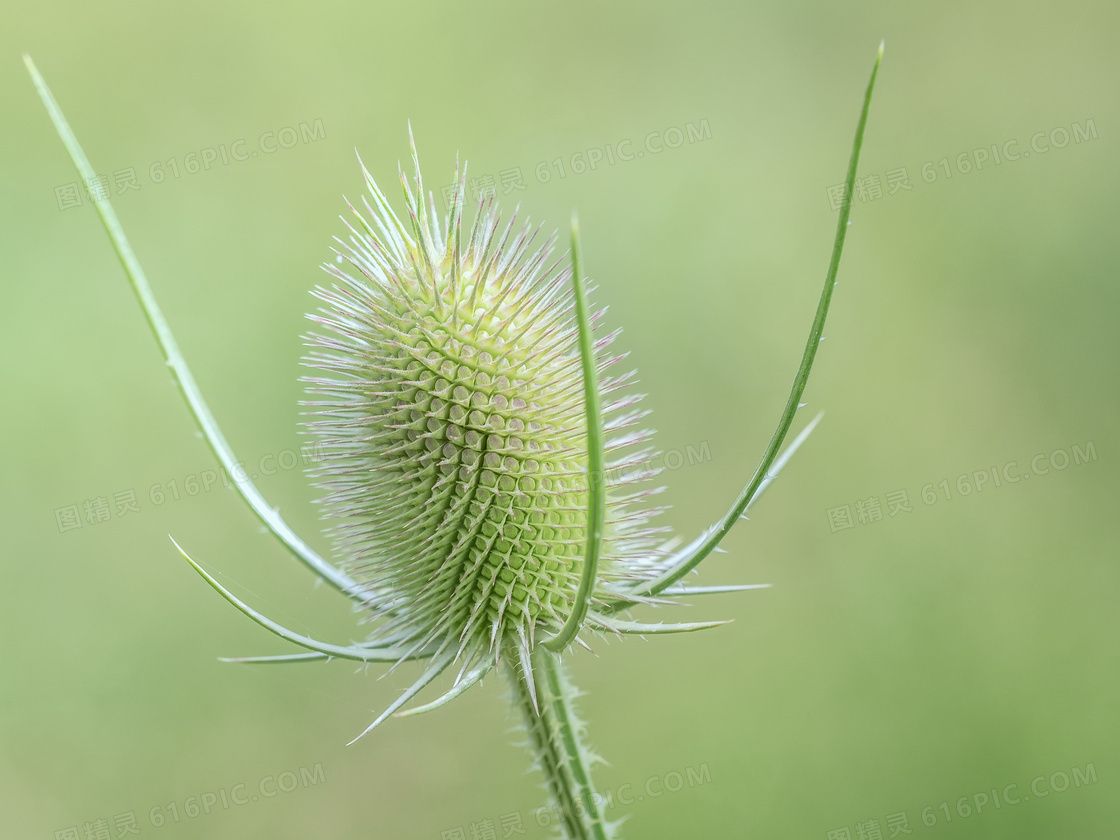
<point>450,411</point>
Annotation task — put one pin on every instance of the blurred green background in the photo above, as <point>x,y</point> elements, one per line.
<point>937,653</point>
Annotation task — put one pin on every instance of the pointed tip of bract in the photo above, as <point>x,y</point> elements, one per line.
<point>366,176</point>
<point>415,159</point>
<point>434,670</point>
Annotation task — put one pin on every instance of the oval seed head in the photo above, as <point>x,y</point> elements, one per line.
<point>453,434</point>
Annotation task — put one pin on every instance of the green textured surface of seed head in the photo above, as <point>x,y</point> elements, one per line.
<point>453,429</point>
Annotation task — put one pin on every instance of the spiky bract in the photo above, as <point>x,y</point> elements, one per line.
<point>453,429</point>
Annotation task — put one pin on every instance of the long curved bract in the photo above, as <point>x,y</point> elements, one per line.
<point>596,494</point>
<point>356,652</point>
<point>687,559</point>
<point>180,372</point>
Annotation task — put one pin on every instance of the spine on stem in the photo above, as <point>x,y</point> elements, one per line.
<point>545,700</point>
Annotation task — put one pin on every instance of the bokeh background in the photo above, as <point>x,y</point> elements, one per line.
<point>909,660</point>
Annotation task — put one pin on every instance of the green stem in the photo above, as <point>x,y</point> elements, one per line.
<point>555,733</point>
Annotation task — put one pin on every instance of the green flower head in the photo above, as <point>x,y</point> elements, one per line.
<point>453,430</point>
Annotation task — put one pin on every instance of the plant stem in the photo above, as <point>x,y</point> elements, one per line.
<point>555,734</point>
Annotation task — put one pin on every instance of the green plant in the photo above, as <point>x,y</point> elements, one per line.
<point>465,438</point>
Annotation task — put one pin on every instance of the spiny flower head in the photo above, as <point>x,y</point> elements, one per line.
<point>453,430</point>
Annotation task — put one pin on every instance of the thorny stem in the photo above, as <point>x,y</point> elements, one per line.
<point>555,735</point>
